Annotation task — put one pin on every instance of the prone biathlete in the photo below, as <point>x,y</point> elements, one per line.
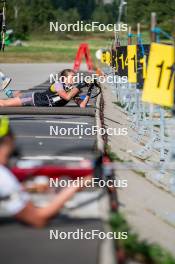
<point>58,94</point>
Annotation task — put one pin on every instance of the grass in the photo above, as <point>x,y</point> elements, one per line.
<point>112,156</point>
<point>136,250</point>
<point>118,104</point>
<point>57,48</point>
<point>49,51</point>
<point>140,173</point>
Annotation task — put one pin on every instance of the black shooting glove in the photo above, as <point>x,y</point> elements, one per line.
<point>90,89</point>
<point>81,85</point>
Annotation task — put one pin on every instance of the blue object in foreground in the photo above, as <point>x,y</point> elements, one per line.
<point>9,92</point>
<point>82,97</point>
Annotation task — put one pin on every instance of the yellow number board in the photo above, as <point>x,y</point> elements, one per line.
<point>132,63</point>
<point>108,58</point>
<point>159,83</point>
<point>103,57</point>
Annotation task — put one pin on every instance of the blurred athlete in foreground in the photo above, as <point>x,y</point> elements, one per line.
<point>14,201</point>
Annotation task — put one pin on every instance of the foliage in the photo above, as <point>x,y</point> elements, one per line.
<point>28,16</point>
<point>139,11</point>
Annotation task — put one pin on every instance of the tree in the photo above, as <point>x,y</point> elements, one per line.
<point>42,12</point>
<point>136,11</point>
<point>84,8</point>
<point>18,17</point>
<point>140,11</point>
<point>100,15</point>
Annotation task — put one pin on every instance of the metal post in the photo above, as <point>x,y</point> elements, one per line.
<point>137,90</point>
<point>153,25</point>
<point>121,7</point>
<point>153,39</point>
<point>129,36</point>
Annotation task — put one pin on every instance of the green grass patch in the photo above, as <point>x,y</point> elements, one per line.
<point>140,173</point>
<point>112,155</point>
<point>118,104</point>
<point>60,48</point>
<point>137,250</point>
<point>49,51</point>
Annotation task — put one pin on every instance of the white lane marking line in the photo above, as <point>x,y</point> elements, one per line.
<point>51,137</point>
<point>71,158</point>
<point>66,122</point>
<point>51,122</point>
<point>55,137</point>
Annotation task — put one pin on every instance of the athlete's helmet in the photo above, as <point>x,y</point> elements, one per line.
<point>4,127</point>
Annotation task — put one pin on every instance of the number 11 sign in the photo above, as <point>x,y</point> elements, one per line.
<point>159,83</point>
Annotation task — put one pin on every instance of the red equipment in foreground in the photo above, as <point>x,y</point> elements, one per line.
<point>98,169</point>
<point>51,171</point>
<point>83,50</point>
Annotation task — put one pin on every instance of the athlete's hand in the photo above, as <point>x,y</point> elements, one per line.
<point>87,179</point>
<point>81,85</point>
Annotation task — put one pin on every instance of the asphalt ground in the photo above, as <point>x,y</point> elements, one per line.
<point>25,76</point>
<point>51,136</point>
<point>33,132</point>
<point>21,244</point>
<point>35,142</point>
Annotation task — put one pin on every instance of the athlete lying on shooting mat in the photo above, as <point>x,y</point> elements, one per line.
<point>58,94</point>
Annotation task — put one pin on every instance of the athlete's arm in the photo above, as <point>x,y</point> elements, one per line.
<point>68,96</point>
<point>38,217</point>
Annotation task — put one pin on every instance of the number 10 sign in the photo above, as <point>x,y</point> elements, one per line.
<point>159,83</point>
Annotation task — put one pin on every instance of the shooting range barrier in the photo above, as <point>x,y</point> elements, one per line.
<point>147,97</point>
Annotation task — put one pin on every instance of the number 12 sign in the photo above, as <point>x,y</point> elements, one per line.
<point>159,83</point>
